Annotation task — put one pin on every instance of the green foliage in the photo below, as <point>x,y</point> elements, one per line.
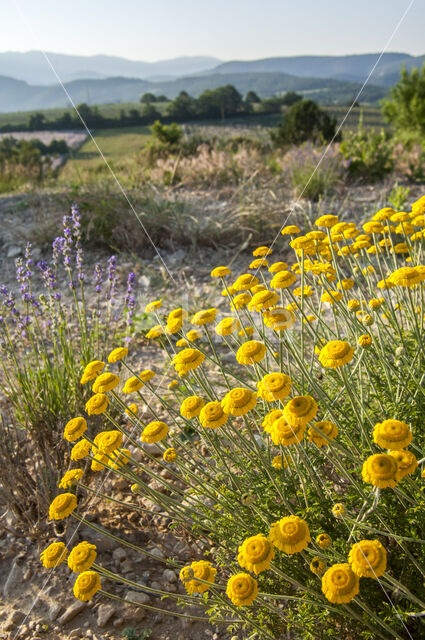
<point>220,103</point>
<point>169,135</point>
<point>304,121</point>
<point>132,634</point>
<point>369,154</point>
<point>405,108</point>
<point>398,197</point>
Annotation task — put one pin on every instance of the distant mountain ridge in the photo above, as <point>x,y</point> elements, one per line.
<point>33,68</point>
<point>352,68</point>
<point>17,95</point>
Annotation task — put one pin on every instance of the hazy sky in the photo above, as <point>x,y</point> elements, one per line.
<point>228,29</point>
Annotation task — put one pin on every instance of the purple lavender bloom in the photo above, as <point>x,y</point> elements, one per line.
<point>57,245</point>
<point>130,301</point>
<point>67,245</point>
<point>47,274</point>
<point>98,277</point>
<point>76,223</point>
<point>112,278</point>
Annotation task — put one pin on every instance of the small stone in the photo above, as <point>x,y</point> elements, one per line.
<point>119,555</point>
<point>13,251</point>
<point>157,552</point>
<point>14,580</point>
<point>72,611</point>
<point>104,614</point>
<point>169,575</point>
<point>155,585</point>
<point>14,618</point>
<point>27,574</point>
<point>54,611</point>
<point>75,633</point>
<point>118,623</point>
<point>137,596</point>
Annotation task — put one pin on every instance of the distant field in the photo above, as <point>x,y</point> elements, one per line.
<point>115,144</point>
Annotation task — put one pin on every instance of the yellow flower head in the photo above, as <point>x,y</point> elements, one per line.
<point>392,434</point>
<point>108,441</point>
<point>261,252</point>
<point>80,450</point>
<point>340,584</point>
<point>250,352</point>
<point>204,317</point>
<point>353,305</point>
<point>336,353</point>
<point>241,300</point>
<point>117,354</point>
<point>383,214</point>
<point>193,573</point>
<point>284,434</point>
<point>368,559</point>
<point>92,369</point>
<point>187,359</point>
<point>326,221</point>
<point>169,455</point>
<point>132,409</point>
<point>406,277</point>
<point>278,319</point>
<point>291,229</point>
<point>245,281</point>
<point>74,429</point>
<point>227,326</point>
<point>331,297</point>
<point>380,470</point>
<point>193,334</point>
<point>154,431</point>
<point>338,510</point>
<point>256,553</point>
<point>300,410</point>
<point>173,325</point>
<point>86,585</point>
<point>258,263</point>
<point>152,306</point>
<point>62,506</point>
<point>278,266</point>
<point>319,430</point>
<point>97,404</point>
<point>317,566</point>
<point>279,462</point>
<point>155,332</point>
<point>70,477</point>
<point>274,386</point>
<point>132,384</point>
<point>182,343</point>
<point>323,540</point>
<point>283,279</point>
<point>242,589</point>
<point>220,272</point>
<point>105,382</point>
<point>406,462</point>
<point>99,462</point>
<point>270,418</point>
<point>246,332</point>
<point>212,415</point>
<point>239,401</point>
<point>290,534</point>
<point>263,300</point>
<point>120,458</point>
<point>82,557</point>
<point>53,555</point>
<point>365,341</point>
<point>346,284</point>
<point>374,226</point>
<point>191,407</point>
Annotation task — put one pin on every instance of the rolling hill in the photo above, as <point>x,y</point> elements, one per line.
<point>17,95</point>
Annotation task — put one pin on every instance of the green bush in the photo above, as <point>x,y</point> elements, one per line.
<point>304,121</point>
<point>369,154</point>
<point>405,108</point>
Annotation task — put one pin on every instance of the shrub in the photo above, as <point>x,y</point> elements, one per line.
<point>289,440</point>
<point>304,121</point>
<point>369,154</point>
<point>405,108</point>
<point>311,175</point>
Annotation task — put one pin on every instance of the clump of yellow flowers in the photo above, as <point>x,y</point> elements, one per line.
<point>289,441</point>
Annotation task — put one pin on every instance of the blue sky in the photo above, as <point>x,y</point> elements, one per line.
<point>228,29</point>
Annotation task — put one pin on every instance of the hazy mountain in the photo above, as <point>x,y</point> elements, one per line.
<point>352,68</point>
<point>17,95</point>
<point>34,69</point>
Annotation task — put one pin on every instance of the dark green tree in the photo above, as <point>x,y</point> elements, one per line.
<point>36,121</point>
<point>251,97</point>
<point>182,108</point>
<point>405,108</point>
<point>220,103</point>
<point>150,113</point>
<point>147,98</point>
<point>305,120</point>
<point>168,134</point>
